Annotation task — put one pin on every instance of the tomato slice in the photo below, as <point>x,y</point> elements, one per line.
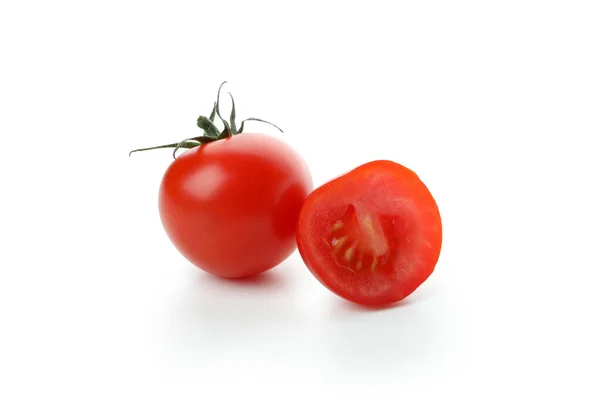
<point>372,235</point>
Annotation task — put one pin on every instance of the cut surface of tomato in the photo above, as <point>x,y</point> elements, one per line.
<point>372,235</point>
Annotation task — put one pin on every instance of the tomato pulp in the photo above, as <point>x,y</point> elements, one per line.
<point>372,235</point>
<point>231,206</point>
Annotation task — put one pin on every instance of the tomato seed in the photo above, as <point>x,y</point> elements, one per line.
<point>337,226</point>
<point>348,254</point>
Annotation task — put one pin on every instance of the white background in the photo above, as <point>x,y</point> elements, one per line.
<point>495,104</point>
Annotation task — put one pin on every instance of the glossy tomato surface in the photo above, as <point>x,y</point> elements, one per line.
<point>231,206</point>
<point>372,235</point>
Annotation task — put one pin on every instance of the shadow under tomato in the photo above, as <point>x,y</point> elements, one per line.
<point>265,281</point>
<point>212,317</point>
<point>382,340</point>
<point>344,306</point>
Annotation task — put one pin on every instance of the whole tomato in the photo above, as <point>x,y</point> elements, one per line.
<point>230,203</point>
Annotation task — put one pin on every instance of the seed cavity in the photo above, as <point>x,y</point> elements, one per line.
<point>358,241</point>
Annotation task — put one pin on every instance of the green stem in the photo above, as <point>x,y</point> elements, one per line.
<point>259,120</point>
<point>166,146</point>
<point>199,139</point>
<point>211,132</point>
<point>232,116</point>
<point>207,126</point>
<point>227,132</point>
<point>212,114</point>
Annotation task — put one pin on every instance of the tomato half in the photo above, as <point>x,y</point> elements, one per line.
<point>231,206</point>
<point>372,235</point>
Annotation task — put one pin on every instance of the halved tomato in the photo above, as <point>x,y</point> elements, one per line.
<point>372,235</point>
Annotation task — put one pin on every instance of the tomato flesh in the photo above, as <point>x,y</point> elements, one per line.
<point>373,235</point>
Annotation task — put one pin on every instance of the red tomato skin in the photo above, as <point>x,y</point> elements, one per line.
<point>231,206</point>
<point>413,234</point>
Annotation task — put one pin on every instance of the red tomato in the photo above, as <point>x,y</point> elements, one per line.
<point>231,206</point>
<point>373,235</point>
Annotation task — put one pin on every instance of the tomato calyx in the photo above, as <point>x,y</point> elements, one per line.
<point>211,131</point>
